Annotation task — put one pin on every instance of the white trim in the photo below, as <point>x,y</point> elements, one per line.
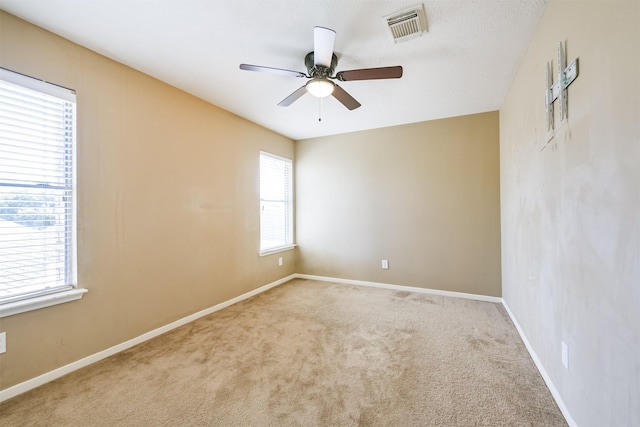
<point>64,370</point>
<point>402,288</point>
<point>276,250</point>
<point>543,372</point>
<point>534,356</point>
<point>33,83</point>
<point>288,199</point>
<point>277,157</point>
<point>21,306</point>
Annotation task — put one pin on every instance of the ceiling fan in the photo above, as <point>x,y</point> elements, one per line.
<point>321,63</point>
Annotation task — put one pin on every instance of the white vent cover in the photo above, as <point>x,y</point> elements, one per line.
<point>407,24</point>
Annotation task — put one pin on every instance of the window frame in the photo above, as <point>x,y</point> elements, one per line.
<point>289,206</point>
<point>70,291</point>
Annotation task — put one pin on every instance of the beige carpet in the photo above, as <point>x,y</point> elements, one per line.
<point>310,353</point>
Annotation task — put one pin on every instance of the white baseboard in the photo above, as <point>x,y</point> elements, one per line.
<point>401,288</point>
<point>543,372</point>
<point>64,370</point>
<point>534,356</point>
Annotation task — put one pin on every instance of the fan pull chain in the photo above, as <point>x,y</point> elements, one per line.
<point>319,109</point>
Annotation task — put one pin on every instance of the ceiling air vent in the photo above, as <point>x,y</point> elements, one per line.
<point>407,24</point>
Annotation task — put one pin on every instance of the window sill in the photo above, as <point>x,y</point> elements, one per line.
<point>276,250</point>
<point>40,302</point>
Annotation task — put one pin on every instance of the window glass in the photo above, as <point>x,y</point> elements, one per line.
<point>37,134</point>
<point>276,204</point>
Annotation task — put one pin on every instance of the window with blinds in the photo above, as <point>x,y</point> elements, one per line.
<point>37,134</point>
<point>276,202</point>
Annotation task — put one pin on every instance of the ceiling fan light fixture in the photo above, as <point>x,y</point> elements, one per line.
<point>320,88</point>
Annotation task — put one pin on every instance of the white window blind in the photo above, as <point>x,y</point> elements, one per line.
<point>37,232</point>
<point>276,202</point>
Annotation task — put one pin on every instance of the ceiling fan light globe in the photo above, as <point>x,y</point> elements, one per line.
<point>320,88</point>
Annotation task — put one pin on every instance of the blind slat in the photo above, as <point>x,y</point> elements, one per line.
<point>276,219</point>
<point>36,187</point>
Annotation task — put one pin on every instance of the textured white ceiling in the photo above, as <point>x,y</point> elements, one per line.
<point>464,64</point>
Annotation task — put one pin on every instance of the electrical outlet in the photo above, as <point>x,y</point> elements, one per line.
<point>280,261</point>
<point>3,342</point>
<point>565,355</point>
<point>385,264</point>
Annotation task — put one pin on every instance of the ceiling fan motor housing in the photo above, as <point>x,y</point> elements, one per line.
<point>318,70</point>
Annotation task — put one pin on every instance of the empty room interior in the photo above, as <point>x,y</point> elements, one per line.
<point>457,241</point>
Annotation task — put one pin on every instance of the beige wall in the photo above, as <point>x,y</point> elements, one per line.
<point>423,196</point>
<point>571,211</point>
<point>167,206</point>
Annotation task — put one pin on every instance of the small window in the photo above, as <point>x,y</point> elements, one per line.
<point>37,192</point>
<point>276,203</point>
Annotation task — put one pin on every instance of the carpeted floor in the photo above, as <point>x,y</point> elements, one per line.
<point>310,353</point>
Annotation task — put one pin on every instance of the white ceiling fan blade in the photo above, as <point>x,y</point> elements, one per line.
<point>323,40</point>
<point>249,67</point>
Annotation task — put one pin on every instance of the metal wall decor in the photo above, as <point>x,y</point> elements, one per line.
<point>558,89</point>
